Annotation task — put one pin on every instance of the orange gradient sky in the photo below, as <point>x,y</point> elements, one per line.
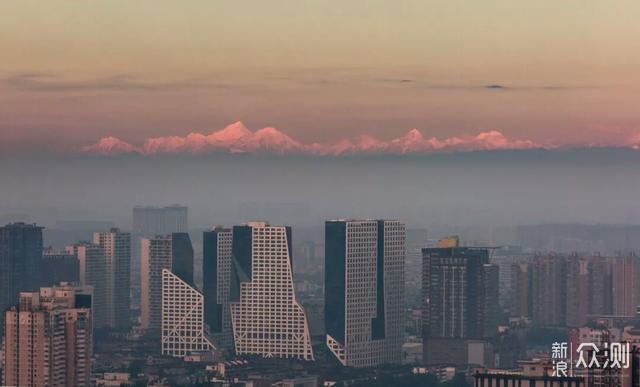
<point>72,72</point>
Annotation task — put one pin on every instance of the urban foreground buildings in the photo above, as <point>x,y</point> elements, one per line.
<point>117,252</point>
<point>173,252</point>
<point>364,291</point>
<point>266,318</point>
<point>569,290</point>
<point>216,284</point>
<point>460,302</point>
<point>20,256</point>
<point>48,338</point>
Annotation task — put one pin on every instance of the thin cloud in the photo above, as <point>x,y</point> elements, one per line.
<point>42,82</point>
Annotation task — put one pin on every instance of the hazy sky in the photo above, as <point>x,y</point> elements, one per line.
<point>71,72</point>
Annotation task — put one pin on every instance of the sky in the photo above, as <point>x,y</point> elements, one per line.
<point>563,73</point>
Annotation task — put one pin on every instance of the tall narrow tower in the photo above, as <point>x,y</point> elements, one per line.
<point>364,291</point>
<point>216,273</point>
<point>117,251</point>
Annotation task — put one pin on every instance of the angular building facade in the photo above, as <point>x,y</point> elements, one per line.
<point>117,251</point>
<point>266,318</point>
<point>48,338</point>
<point>173,252</point>
<point>183,331</point>
<point>459,294</point>
<point>216,285</point>
<point>364,291</point>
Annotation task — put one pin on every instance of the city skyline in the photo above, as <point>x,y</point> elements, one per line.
<point>309,193</point>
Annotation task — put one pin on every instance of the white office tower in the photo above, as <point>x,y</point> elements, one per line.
<point>182,318</point>
<point>266,318</point>
<point>364,291</point>
<point>117,251</point>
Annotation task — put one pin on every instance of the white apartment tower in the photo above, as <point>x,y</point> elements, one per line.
<point>117,251</point>
<point>266,318</point>
<point>364,291</point>
<point>93,272</point>
<point>183,330</point>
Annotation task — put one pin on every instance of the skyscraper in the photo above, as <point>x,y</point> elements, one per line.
<point>183,330</point>
<point>364,291</point>
<point>48,338</point>
<point>117,251</point>
<point>149,220</point>
<point>20,257</point>
<point>216,273</point>
<point>172,252</point>
<point>266,318</point>
<point>457,292</point>
<point>625,287</point>
<point>93,272</point>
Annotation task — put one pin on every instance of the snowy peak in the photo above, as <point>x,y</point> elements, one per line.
<point>412,141</point>
<point>268,139</point>
<point>236,138</point>
<point>231,133</point>
<point>109,145</point>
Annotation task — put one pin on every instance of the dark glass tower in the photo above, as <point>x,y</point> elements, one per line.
<point>458,295</point>
<point>182,256</point>
<point>216,277</point>
<point>20,257</point>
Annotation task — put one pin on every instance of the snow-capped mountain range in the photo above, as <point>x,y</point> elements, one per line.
<point>236,138</point>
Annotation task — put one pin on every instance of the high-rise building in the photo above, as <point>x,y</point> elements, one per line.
<point>48,338</point>
<point>364,291</point>
<point>93,272</point>
<point>216,273</point>
<point>20,257</point>
<point>267,320</point>
<point>625,272</point>
<point>59,266</point>
<point>117,252</point>
<point>148,220</point>
<point>548,293</point>
<point>183,331</point>
<point>172,252</point>
<point>457,292</point>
